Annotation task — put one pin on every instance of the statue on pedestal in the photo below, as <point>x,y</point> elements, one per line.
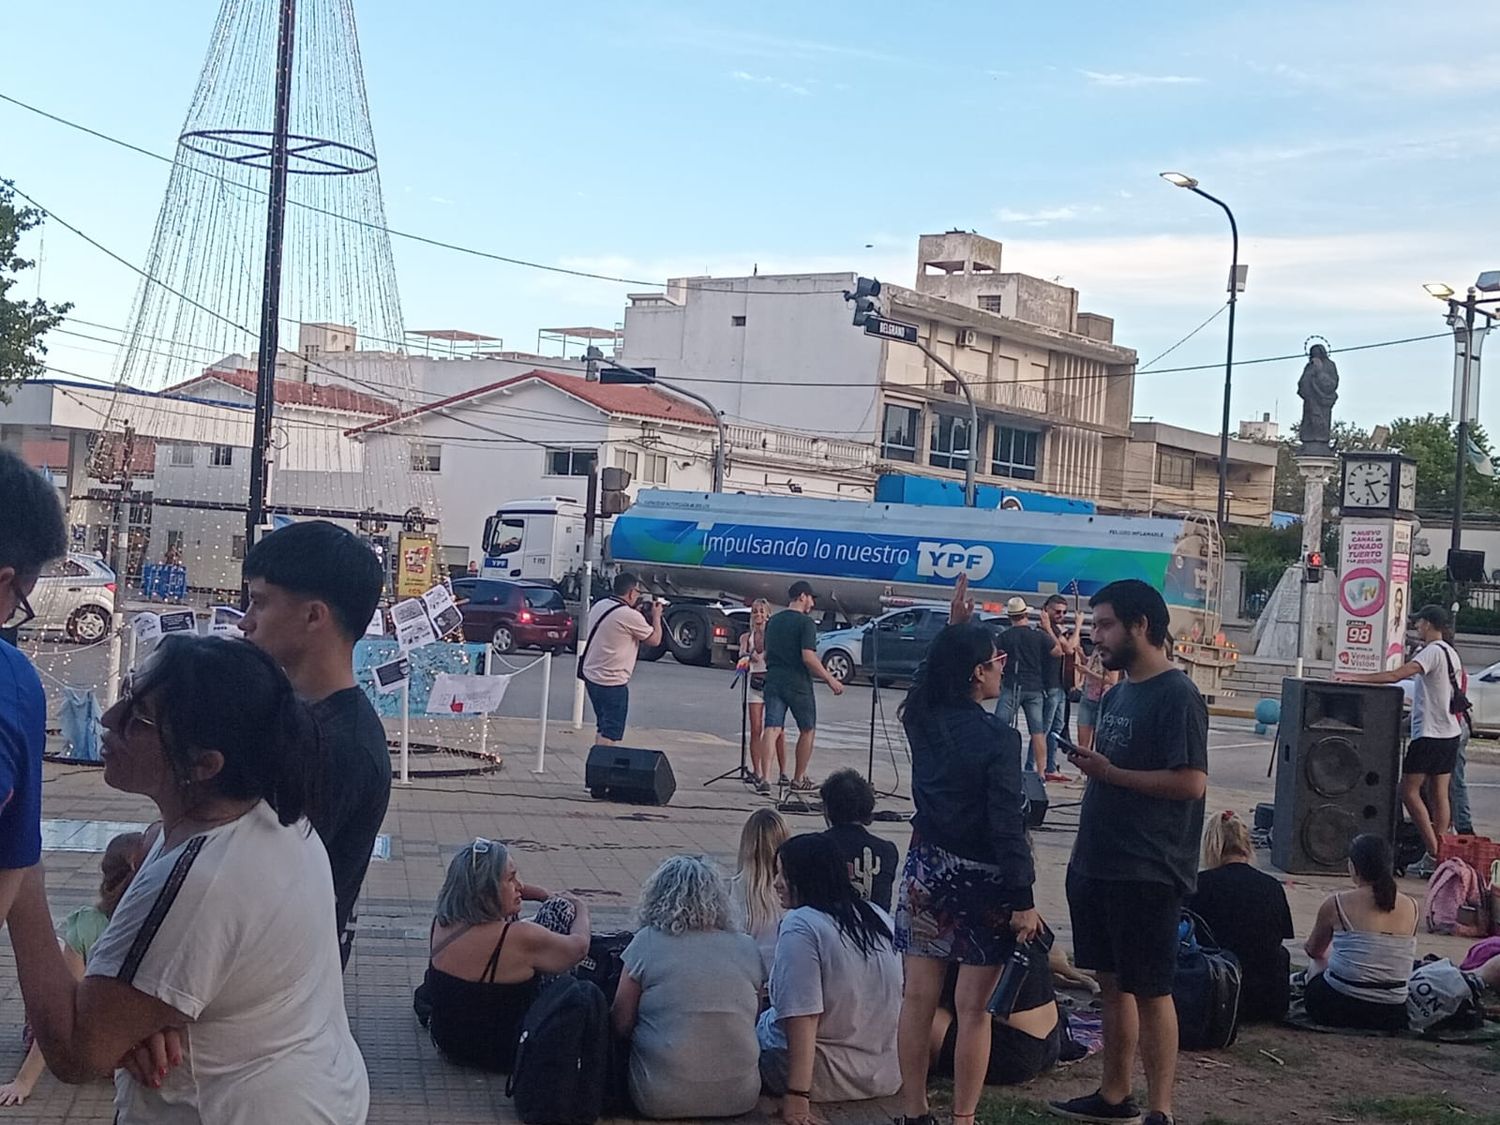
<point>1319,390</point>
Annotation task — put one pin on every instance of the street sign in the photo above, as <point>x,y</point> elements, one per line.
<point>890,329</point>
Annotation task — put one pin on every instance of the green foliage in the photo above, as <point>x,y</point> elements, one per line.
<point>1429,586</point>
<point>1287,494</point>
<point>22,323</point>
<point>1423,1109</point>
<point>1432,442</point>
<point>1268,552</point>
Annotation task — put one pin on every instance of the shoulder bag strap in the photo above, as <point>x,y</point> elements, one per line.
<point>446,942</point>
<point>1452,675</point>
<point>589,643</point>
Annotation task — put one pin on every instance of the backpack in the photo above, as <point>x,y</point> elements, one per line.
<point>562,1057</point>
<point>1206,988</point>
<point>605,963</point>
<point>1440,997</point>
<point>1455,902</point>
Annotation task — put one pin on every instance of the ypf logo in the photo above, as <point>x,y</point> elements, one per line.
<point>949,560</point>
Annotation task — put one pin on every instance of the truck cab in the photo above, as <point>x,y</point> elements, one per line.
<point>539,540</point>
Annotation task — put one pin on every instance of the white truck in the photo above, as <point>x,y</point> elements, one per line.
<point>710,554</point>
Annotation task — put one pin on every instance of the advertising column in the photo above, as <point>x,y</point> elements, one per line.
<point>1373,592</point>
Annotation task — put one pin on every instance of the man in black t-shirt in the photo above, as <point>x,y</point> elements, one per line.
<point>1136,854</point>
<point>313,589</point>
<point>849,807</point>
<point>1028,650</point>
<point>791,663</point>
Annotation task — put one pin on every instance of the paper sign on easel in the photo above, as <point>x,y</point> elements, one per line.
<point>413,626</point>
<point>225,621</point>
<point>147,628</point>
<point>376,627</point>
<point>181,621</point>
<point>390,676</point>
<point>444,615</point>
<point>466,695</point>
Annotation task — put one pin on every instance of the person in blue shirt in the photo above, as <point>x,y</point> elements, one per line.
<point>32,534</point>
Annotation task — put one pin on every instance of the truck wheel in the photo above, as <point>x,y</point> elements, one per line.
<point>688,637</point>
<point>839,666</point>
<point>652,653</point>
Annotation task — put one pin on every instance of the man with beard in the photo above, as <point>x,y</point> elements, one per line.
<point>1136,855</point>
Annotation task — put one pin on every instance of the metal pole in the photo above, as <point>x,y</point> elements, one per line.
<point>1467,343</point>
<point>270,297</point>
<point>1301,614</point>
<point>586,589</point>
<point>718,421</point>
<point>541,740</point>
<point>1234,270</point>
<point>969,489</point>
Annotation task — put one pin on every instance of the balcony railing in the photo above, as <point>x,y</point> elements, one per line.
<point>801,449</point>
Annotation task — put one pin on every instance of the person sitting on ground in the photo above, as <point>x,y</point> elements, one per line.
<point>830,1032</point>
<point>1362,946</point>
<point>1023,1044</point>
<point>688,998</point>
<point>78,933</point>
<point>1248,913</point>
<point>486,966</point>
<point>849,806</point>
<point>223,940</point>
<point>753,888</point>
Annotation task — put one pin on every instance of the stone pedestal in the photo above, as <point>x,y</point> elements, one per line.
<point>1316,471</point>
<point>1298,618</point>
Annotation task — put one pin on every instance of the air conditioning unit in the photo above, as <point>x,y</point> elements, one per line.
<point>968,338</point>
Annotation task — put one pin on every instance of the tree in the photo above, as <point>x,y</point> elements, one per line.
<point>22,323</point>
<point>1432,442</point>
<point>1289,484</point>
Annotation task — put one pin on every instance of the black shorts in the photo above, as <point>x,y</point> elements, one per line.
<point>1431,755</point>
<point>1331,1008</point>
<point>1128,928</point>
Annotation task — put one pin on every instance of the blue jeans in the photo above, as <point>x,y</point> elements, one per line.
<point>1013,699</point>
<point>611,705</point>
<point>1054,707</point>
<point>1458,792</point>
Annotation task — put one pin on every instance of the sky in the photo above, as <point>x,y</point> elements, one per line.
<point>1354,142</point>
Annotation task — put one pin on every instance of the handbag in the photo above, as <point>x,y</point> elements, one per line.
<point>1458,702</point>
<point>757,681</point>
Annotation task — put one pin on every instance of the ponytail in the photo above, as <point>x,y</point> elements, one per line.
<point>1225,838</point>
<point>1371,857</point>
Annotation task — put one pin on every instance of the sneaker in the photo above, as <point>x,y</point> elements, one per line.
<point>1057,776</point>
<point>1424,867</point>
<point>1157,1117</point>
<point>763,787</point>
<point>783,781</point>
<point>1093,1107</point>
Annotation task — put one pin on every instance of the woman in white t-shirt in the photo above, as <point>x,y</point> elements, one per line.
<point>221,964</point>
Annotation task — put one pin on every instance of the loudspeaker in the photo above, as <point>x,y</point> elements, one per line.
<point>1338,769</point>
<point>1466,566</point>
<point>628,773</point>
<point>1036,798</point>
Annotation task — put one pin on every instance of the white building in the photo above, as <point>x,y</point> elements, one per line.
<point>780,352</point>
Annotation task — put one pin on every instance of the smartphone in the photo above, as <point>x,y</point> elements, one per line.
<point>1072,750</point>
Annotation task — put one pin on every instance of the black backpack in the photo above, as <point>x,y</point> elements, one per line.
<point>1206,988</point>
<point>562,1058</point>
<point>605,963</point>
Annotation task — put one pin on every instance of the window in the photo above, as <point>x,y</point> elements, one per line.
<point>221,456</point>
<point>64,568</point>
<point>237,547</point>
<point>543,598</point>
<point>505,537</point>
<point>182,456</point>
<point>737,321</point>
<point>571,462</point>
<point>1015,453</point>
<point>426,457</point>
<point>948,445</point>
<point>174,544</point>
<point>899,438</point>
<point>1174,469</point>
<point>629,460</point>
<point>992,303</point>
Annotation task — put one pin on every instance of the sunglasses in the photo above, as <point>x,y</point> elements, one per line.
<point>21,615</point>
<point>479,847</point>
<point>127,696</point>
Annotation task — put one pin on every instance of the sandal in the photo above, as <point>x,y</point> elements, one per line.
<point>803,786</point>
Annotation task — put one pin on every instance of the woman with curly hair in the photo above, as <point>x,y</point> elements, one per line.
<point>688,998</point>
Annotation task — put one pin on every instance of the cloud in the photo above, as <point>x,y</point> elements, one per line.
<point>771,81</point>
<point>1101,78</point>
<point>1037,218</point>
<point>761,45</point>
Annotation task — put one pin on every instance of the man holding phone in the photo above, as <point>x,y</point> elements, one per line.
<point>1136,854</point>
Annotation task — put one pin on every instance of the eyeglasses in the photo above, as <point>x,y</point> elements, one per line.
<point>21,615</point>
<point>127,697</point>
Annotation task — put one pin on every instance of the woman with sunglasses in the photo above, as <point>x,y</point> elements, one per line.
<point>222,943</point>
<point>965,895</point>
<point>486,965</point>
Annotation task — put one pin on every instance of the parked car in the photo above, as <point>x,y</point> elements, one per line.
<point>75,595</point>
<point>1484,694</point>
<point>511,615</point>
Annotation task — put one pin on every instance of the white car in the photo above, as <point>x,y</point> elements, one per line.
<point>75,595</point>
<point>1484,694</point>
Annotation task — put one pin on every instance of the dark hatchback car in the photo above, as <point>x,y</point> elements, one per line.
<point>512,615</point>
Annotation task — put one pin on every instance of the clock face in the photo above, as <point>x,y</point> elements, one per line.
<point>1367,484</point>
<point>1406,498</point>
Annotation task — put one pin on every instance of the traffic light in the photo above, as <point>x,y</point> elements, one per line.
<point>612,485</point>
<point>1312,572</point>
<point>863,295</point>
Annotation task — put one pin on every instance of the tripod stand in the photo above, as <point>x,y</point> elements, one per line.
<point>740,772</point>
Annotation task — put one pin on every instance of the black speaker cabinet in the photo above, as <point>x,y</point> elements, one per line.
<point>1036,798</point>
<point>628,773</point>
<point>1338,771</point>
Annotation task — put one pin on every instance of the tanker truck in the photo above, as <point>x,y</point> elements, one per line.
<point>710,554</point>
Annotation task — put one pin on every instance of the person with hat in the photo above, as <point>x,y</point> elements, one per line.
<point>1027,650</point>
<point>791,663</point>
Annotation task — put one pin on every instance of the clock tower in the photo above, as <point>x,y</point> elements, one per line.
<point>1377,505</point>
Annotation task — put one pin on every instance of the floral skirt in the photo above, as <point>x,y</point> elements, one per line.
<point>952,909</point>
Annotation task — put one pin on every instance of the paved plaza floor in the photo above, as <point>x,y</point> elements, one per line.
<point>562,839</point>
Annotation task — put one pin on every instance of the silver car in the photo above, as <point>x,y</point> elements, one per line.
<point>75,595</point>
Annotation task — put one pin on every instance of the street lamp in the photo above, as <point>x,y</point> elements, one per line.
<point>1467,345</point>
<point>617,373</point>
<point>1179,179</point>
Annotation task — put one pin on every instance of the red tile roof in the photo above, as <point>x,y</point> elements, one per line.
<point>292,392</point>
<point>630,400</point>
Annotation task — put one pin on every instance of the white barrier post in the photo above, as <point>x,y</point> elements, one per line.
<point>484,718</point>
<point>130,643</point>
<point>583,617</point>
<point>406,732</point>
<point>541,741</point>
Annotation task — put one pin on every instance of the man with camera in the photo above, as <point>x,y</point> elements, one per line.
<point>616,629</point>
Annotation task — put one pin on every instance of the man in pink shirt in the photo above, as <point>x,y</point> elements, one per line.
<point>615,632</point>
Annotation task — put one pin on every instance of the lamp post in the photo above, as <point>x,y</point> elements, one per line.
<point>1467,345</point>
<point>1178,179</point>
<point>617,373</point>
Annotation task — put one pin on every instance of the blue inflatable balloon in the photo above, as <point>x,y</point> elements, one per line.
<point>1268,711</point>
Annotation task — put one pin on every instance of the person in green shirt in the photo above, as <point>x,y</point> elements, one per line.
<point>791,663</point>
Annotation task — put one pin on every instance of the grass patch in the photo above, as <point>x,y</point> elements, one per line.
<point>1424,1109</point>
<point>1001,1109</point>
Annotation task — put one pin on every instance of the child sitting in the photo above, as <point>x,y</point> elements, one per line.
<point>848,806</point>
